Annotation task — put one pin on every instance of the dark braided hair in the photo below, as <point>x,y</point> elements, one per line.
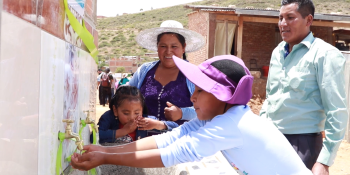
<point>178,36</point>
<point>127,92</point>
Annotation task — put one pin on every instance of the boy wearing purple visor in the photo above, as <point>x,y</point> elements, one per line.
<point>224,123</point>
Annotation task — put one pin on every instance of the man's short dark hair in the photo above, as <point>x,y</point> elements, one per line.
<point>305,7</point>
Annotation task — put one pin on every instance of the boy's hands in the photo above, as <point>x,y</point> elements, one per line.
<point>149,124</point>
<point>93,148</point>
<point>87,161</point>
<point>172,112</point>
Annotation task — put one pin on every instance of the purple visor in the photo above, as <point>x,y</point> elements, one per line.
<point>212,80</point>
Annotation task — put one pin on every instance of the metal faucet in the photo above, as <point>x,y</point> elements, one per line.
<point>69,134</point>
<point>88,120</point>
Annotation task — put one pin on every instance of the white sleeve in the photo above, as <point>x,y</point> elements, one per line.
<point>165,139</point>
<point>219,134</point>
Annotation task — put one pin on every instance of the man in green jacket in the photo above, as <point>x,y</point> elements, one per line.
<point>305,91</point>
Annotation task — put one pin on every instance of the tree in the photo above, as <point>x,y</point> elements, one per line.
<point>120,70</point>
<point>100,65</point>
<point>141,10</point>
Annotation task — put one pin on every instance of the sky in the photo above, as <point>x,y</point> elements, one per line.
<point>110,8</point>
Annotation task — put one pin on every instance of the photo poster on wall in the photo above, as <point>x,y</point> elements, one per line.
<point>78,6</point>
<point>70,97</point>
<point>77,9</point>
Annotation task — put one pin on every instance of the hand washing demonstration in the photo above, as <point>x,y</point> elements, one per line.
<point>182,88</point>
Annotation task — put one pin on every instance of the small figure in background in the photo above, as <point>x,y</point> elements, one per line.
<point>99,72</point>
<point>124,80</point>
<point>112,80</point>
<point>106,87</point>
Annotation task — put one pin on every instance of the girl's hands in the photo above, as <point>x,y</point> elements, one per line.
<point>88,160</point>
<point>149,124</point>
<point>130,126</point>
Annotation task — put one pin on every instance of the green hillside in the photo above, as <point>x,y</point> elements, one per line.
<point>117,34</point>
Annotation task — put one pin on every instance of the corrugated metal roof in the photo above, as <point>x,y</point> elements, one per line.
<point>264,12</point>
<point>221,8</point>
<point>210,8</point>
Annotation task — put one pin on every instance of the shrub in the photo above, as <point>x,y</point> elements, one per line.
<point>120,70</point>
<point>104,44</point>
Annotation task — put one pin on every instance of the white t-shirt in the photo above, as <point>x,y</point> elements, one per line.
<point>250,143</point>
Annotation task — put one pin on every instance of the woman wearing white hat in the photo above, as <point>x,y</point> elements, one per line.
<point>166,90</point>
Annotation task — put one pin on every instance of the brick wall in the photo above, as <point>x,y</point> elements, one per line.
<point>127,64</point>
<point>324,33</point>
<point>198,22</point>
<point>258,42</point>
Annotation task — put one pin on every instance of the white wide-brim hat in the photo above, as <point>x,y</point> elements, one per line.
<point>148,38</point>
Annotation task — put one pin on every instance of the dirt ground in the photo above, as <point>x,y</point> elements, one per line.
<point>341,165</point>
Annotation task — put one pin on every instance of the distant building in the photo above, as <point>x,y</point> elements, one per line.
<point>130,63</point>
<point>100,17</point>
<point>152,55</point>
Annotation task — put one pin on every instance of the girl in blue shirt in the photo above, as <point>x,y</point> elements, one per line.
<point>119,124</point>
<point>252,145</point>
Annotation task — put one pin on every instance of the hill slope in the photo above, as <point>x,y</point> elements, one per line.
<point>117,34</point>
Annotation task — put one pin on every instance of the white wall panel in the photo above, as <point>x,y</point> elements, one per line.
<point>19,95</point>
<point>51,100</point>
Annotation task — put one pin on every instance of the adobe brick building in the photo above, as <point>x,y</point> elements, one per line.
<point>250,34</point>
<point>130,63</point>
<point>256,31</point>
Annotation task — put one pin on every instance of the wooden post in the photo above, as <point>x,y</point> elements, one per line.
<point>226,38</point>
<point>347,90</point>
<point>347,86</point>
<point>240,37</point>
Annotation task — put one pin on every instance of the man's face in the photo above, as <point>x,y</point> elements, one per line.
<point>293,27</point>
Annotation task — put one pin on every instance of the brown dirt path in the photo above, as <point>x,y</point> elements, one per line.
<point>341,164</point>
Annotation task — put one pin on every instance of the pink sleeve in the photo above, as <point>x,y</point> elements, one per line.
<point>116,85</point>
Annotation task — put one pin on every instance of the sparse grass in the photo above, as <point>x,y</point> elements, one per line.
<point>117,34</point>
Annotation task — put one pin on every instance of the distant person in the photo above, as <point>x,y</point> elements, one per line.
<point>112,80</point>
<point>124,80</point>
<point>166,90</point>
<point>251,145</point>
<point>118,124</point>
<point>305,91</point>
<point>106,87</point>
<point>99,71</point>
